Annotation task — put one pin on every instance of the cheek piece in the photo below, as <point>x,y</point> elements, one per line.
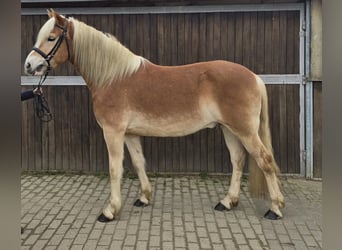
<point>53,51</point>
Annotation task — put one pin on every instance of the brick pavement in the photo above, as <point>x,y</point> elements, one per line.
<point>60,212</point>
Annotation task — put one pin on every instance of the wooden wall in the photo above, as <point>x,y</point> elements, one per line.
<point>266,42</point>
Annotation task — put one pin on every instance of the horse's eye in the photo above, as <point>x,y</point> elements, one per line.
<point>51,38</point>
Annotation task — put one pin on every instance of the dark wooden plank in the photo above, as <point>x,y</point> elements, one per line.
<point>246,40</point>
<point>253,40</point>
<point>202,55</point>
<point>260,46</point>
<point>296,43</point>
<point>217,151</point>
<point>160,40</point>
<point>77,131</point>
<point>268,58</point>
<point>291,100</point>
<point>181,43</point>
<point>282,42</point>
<point>132,30</point>
<point>226,164</point>
<point>140,36</point>
<point>195,38</point>
<point>82,102</point>
<point>292,44</point>
<point>238,56</point>
<point>58,118</point>
<point>284,119</point>
<point>296,112</point>
<point>50,95</point>
<point>154,38</point>
<point>224,36</point>
<point>231,37</point>
<point>216,36</point>
<point>276,121</point>
<point>45,140</point>
<point>168,20</point>
<point>209,38</point>
<point>275,42</point>
<point>188,42</point>
<point>147,148</point>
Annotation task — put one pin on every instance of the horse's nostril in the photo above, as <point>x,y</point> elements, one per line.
<point>28,65</point>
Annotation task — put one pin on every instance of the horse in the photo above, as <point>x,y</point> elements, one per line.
<point>133,97</point>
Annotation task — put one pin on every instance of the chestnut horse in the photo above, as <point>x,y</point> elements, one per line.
<point>133,97</point>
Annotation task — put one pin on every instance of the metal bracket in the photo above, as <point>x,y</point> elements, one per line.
<point>305,79</point>
<point>304,24</point>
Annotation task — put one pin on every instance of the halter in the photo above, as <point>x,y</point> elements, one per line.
<point>41,105</point>
<point>53,51</point>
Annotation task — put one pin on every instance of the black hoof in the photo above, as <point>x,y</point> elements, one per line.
<point>139,203</point>
<point>271,215</point>
<point>102,218</point>
<point>22,230</point>
<point>221,207</point>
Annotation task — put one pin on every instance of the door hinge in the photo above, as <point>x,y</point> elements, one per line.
<point>302,32</point>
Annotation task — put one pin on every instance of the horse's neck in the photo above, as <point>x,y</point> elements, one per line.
<point>101,59</point>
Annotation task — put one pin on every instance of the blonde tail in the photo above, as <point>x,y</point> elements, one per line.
<point>257,183</point>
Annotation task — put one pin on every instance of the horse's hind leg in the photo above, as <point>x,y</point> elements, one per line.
<point>265,160</point>
<point>238,156</point>
<point>135,150</point>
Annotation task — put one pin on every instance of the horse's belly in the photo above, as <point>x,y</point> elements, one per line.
<point>167,127</point>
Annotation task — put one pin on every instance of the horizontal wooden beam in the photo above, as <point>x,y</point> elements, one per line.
<point>79,81</point>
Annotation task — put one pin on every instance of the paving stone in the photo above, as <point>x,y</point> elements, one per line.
<point>60,212</point>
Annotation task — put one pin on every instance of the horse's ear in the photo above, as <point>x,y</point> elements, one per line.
<point>60,20</point>
<point>50,12</point>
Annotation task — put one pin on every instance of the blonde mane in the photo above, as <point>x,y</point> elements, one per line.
<point>100,57</point>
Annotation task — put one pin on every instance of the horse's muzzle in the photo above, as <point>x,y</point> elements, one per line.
<point>39,70</point>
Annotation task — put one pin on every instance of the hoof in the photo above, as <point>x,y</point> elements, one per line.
<point>102,218</point>
<point>22,230</point>
<point>139,203</point>
<point>271,215</point>
<point>221,207</point>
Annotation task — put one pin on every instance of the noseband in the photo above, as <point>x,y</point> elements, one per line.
<point>53,51</point>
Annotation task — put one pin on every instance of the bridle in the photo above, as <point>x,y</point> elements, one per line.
<point>53,51</point>
<point>41,105</point>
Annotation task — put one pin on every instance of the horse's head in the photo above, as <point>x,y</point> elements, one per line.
<point>52,47</point>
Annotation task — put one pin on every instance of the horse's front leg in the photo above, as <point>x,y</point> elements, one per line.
<point>115,145</point>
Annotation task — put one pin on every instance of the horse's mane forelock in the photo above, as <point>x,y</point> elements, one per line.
<point>100,57</point>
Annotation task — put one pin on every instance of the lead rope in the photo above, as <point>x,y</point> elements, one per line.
<point>40,103</point>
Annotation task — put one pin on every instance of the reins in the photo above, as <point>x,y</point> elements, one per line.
<point>40,103</point>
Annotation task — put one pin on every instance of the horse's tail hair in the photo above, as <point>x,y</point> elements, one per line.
<point>257,183</point>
